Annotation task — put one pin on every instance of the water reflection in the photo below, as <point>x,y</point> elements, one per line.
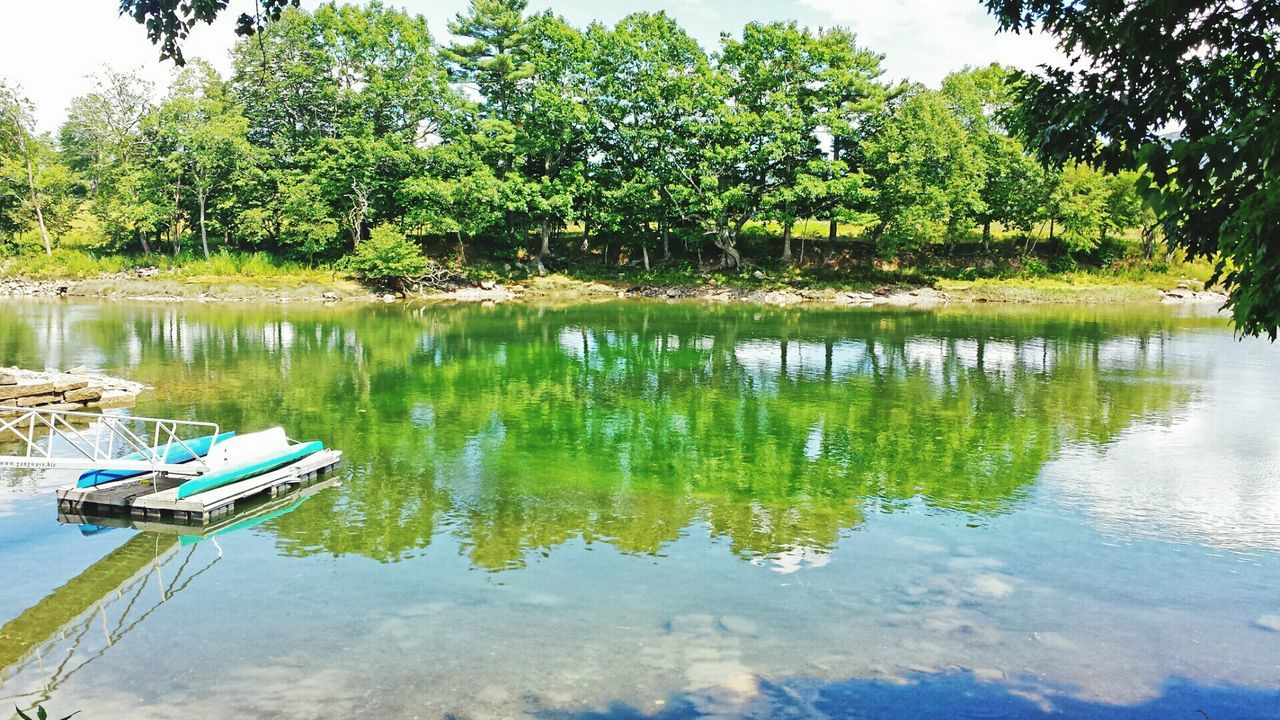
<point>79,622</point>
<point>516,429</point>
<point>575,511</point>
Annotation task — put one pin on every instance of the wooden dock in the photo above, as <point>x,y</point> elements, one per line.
<point>154,497</point>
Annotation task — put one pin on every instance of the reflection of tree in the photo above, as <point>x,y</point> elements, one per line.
<point>517,428</point>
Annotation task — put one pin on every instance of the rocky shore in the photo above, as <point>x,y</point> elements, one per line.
<point>559,288</point>
<point>74,389</point>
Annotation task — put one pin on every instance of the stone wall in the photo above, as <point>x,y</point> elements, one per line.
<point>76,389</point>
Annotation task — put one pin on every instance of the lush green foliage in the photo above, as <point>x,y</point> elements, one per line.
<point>388,257</point>
<point>1207,69</point>
<point>531,141</point>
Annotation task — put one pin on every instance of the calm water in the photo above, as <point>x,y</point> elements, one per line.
<point>630,510</point>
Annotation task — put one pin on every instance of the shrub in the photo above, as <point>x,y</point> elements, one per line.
<point>1063,263</point>
<point>1034,267</point>
<point>388,258</point>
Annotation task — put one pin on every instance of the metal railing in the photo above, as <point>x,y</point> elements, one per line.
<point>49,439</point>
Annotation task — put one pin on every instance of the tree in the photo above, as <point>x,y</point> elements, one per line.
<point>1012,188</point>
<point>555,125</point>
<point>928,173</point>
<point>1080,206</point>
<point>1209,69</point>
<point>389,257</point>
<point>758,132</point>
<point>103,140</point>
<point>652,88</point>
<point>850,92</point>
<point>210,136</point>
<point>775,69</point>
<point>492,59</point>
<point>102,133</point>
<point>29,166</point>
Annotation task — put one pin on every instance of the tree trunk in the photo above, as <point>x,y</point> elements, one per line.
<point>665,229</point>
<point>833,230</point>
<point>1148,241</point>
<point>986,235</point>
<point>462,251</point>
<point>177,223</point>
<point>730,258</point>
<point>545,228</point>
<point>644,251</point>
<point>44,231</point>
<point>786,242</point>
<point>142,238</point>
<point>34,192</point>
<point>204,234</point>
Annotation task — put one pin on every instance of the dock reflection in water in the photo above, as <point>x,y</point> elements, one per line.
<point>673,510</point>
<point>80,621</point>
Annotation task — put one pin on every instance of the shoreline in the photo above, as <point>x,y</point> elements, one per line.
<point>561,288</point>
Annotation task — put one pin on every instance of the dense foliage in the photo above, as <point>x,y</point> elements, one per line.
<point>633,139</point>
<point>1186,92</point>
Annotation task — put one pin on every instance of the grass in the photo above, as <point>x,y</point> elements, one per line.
<point>76,264</point>
<point>998,271</point>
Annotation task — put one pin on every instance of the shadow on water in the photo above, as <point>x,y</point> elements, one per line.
<point>944,696</point>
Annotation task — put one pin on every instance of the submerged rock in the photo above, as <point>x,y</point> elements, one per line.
<point>1268,622</point>
<point>992,585</point>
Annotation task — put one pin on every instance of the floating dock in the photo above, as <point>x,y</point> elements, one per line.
<point>154,496</point>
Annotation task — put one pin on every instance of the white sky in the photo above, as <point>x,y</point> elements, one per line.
<point>52,47</point>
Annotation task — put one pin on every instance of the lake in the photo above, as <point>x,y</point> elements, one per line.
<point>675,510</point>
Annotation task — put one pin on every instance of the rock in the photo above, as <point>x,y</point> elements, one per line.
<point>739,625</point>
<point>1268,622</point>
<point>35,400</point>
<point>671,292</point>
<point>486,284</point>
<point>8,379</point>
<point>493,695</point>
<point>388,298</point>
<point>10,392</point>
<point>992,586</point>
<point>759,275</point>
<point>67,385</point>
<point>78,370</point>
<point>64,406</point>
<point>330,297</point>
<point>83,395</point>
<point>1053,640</point>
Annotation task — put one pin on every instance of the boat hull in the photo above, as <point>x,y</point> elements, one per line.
<point>248,469</point>
<point>199,447</point>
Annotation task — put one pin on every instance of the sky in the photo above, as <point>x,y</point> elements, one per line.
<point>52,48</point>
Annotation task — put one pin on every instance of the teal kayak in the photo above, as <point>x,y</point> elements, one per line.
<point>248,469</point>
<point>199,447</point>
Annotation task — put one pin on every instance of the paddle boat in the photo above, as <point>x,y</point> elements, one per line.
<point>156,468</point>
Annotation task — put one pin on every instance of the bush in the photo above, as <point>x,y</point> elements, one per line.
<point>1062,264</point>
<point>388,258</point>
<point>1034,267</point>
